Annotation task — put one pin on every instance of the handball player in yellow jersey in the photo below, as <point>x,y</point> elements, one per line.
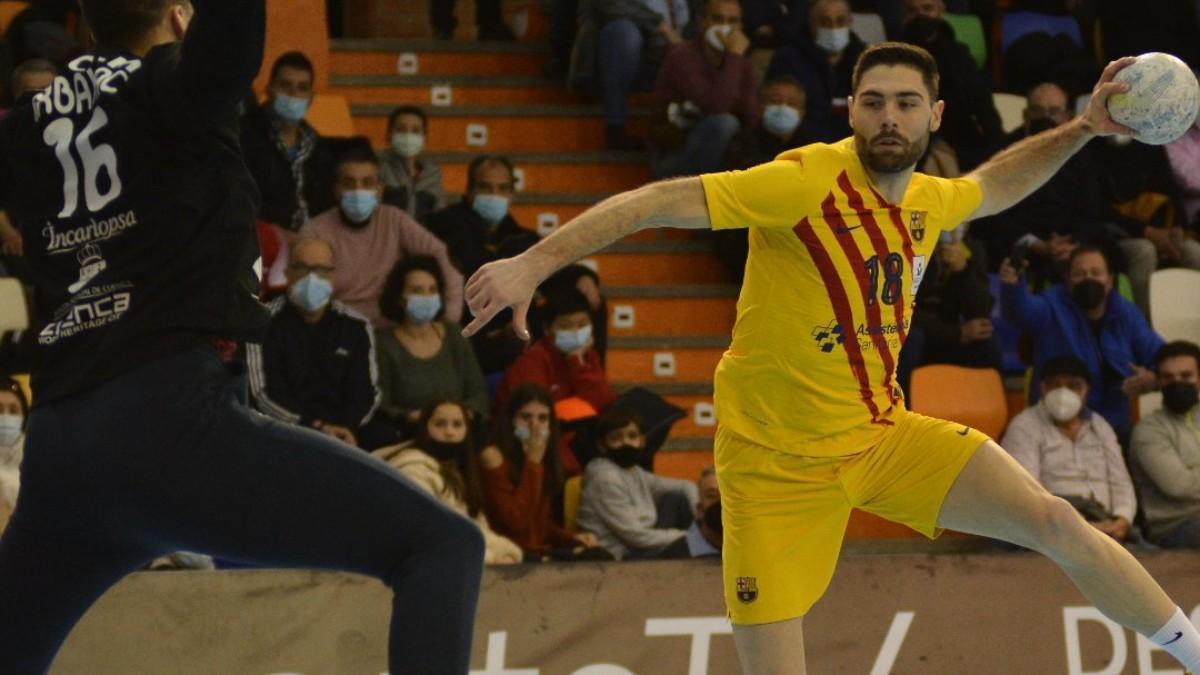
<point>812,423</point>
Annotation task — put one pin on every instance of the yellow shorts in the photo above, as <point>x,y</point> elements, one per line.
<point>785,515</point>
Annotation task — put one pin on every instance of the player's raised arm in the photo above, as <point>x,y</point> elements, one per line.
<point>221,55</point>
<point>1015,172</point>
<point>512,282</point>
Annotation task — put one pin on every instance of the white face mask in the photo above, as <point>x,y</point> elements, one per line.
<point>715,36</point>
<point>10,429</point>
<point>833,40</point>
<point>408,145</point>
<point>525,434</point>
<point>1063,404</point>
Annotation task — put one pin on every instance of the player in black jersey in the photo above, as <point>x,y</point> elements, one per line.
<point>137,212</point>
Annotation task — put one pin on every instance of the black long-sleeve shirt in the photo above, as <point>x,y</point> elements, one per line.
<point>137,211</point>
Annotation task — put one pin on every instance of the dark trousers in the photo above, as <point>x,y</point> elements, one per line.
<point>168,457</point>
<point>441,14</point>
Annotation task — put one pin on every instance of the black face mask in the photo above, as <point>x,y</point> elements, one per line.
<point>712,518</point>
<point>445,451</point>
<point>1041,124</point>
<point>625,456</point>
<point>1180,397</point>
<point>1088,294</point>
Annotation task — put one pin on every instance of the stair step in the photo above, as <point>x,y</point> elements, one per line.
<point>682,267</point>
<point>558,129</point>
<point>675,310</point>
<point>640,365</point>
<point>449,90</point>
<point>433,57</point>
<point>548,174</point>
<point>676,460</point>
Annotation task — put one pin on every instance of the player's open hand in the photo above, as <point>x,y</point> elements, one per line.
<point>1096,116</point>
<point>497,286</point>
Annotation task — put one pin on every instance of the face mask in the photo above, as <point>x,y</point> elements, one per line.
<point>715,36</point>
<point>290,108</point>
<point>625,456</point>
<point>568,341</point>
<point>311,293</point>
<point>443,451</point>
<point>10,429</point>
<point>492,208</point>
<point>1180,397</point>
<point>780,119</point>
<point>421,309</point>
<point>525,434</point>
<point>408,145</point>
<point>1063,404</point>
<point>833,40</point>
<point>1088,294</point>
<point>358,205</point>
<point>712,518</point>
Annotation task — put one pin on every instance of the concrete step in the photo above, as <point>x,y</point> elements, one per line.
<point>555,173</point>
<point>677,310</point>
<point>660,263</point>
<point>447,90</point>
<point>433,57</point>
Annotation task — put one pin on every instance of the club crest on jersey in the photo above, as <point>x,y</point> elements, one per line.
<point>829,337</point>
<point>916,224</point>
<point>747,589</point>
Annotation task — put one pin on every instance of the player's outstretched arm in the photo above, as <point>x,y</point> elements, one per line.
<point>221,55</point>
<point>512,282</point>
<point>1015,172</point>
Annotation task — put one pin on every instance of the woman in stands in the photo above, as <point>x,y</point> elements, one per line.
<point>13,411</point>
<point>523,480</point>
<point>422,358</point>
<point>443,460</point>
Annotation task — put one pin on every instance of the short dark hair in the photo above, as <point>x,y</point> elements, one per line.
<point>1176,349</point>
<point>1053,83</point>
<point>355,155</point>
<point>391,299</point>
<point>408,110</point>
<point>1091,248</point>
<point>34,67</point>
<point>124,23</point>
<point>784,79</point>
<point>1065,366</point>
<point>616,417</point>
<point>562,301</point>
<point>898,54</point>
<point>10,385</point>
<point>479,161</point>
<point>296,60</point>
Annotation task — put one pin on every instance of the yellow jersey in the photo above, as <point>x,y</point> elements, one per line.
<point>828,295</point>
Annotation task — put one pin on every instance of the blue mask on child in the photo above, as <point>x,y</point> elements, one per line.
<point>780,119</point>
<point>311,293</point>
<point>290,108</point>
<point>492,208</point>
<point>568,341</point>
<point>358,205</point>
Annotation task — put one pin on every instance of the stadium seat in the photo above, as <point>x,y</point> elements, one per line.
<point>868,28</point>
<point>572,493</point>
<point>1015,25</point>
<point>9,9</point>
<point>13,314</point>
<point>330,116</point>
<point>1011,108</point>
<point>968,29</point>
<point>971,396</point>
<point>1174,304</point>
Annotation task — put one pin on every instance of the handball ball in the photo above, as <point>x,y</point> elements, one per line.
<point>1162,100</point>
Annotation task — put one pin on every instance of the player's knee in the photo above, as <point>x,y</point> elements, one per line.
<point>466,540</point>
<point>1057,526</point>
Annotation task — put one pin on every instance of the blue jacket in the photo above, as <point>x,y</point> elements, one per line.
<point>1058,327</point>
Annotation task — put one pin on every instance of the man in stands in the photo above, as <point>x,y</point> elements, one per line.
<point>704,535</point>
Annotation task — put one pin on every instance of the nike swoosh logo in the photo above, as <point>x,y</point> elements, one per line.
<point>965,431</point>
<point>1178,636</point>
<point>846,230</point>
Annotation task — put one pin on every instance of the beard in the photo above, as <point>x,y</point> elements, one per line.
<point>890,158</point>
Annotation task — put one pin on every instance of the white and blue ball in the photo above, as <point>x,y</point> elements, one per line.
<point>1162,100</point>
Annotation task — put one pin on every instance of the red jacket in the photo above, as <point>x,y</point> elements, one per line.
<point>523,511</point>
<point>563,377</point>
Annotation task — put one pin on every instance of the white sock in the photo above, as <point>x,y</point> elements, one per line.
<point>1180,639</point>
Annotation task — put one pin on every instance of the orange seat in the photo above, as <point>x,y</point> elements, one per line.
<point>330,116</point>
<point>971,396</point>
<point>572,494</point>
<point>9,9</point>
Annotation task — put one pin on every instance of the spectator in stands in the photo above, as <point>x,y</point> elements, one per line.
<point>316,364</point>
<point>823,62</point>
<point>487,17</point>
<point>782,126</point>
<point>444,461</point>
<point>707,90</point>
<point>1166,451</point>
<point>369,238</point>
<point>411,181</point>
<point>1086,318</point>
<point>585,280</point>
<point>290,162</point>
<point>523,479</point>
<point>771,23</point>
<point>31,77</point>
<point>423,358</point>
<point>1072,451</point>
<point>14,409</point>
<point>929,9</point>
<point>564,361</point>
<point>620,47</point>
<point>634,513</point>
<point>705,534</point>
<point>951,317</point>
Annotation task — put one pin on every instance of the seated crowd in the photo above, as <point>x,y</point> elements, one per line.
<point>365,256</point>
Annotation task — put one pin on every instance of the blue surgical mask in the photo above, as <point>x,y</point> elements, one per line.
<point>408,145</point>
<point>290,108</point>
<point>833,40</point>
<point>311,293</point>
<point>781,119</point>
<point>568,341</point>
<point>358,205</point>
<point>10,429</point>
<point>492,208</point>
<point>421,309</point>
